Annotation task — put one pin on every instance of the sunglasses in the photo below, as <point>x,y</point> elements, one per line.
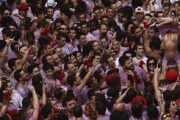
<point>35,59</point>
<point>151,64</point>
<point>62,28</point>
<point>124,21</point>
<point>7,14</point>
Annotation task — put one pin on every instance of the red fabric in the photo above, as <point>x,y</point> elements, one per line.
<point>88,109</point>
<point>88,63</point>
<point>8,95</point>
<point>22,7</point>
<point>134,78</point>
<point>53,43</point>
<point>61,76</point>
<point>140,99</point>
<point>56,111</point>
<point>130,44</point>
<point>46,31</point>
<point>151,77</point>
<point>110,77</point>
<point>172,75</point>
<point>146,25</point>
<point>12,113</point>
<point>177,101</point>
<point>141,64</point>
<point>99,88</point>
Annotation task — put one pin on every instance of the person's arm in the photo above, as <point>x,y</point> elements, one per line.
<point>120,99</point>
<point>80,87</point>
<point>163,21</point>
<point>79,70</point>
<point>5,105</point>
<point>44,95</point>
<point>35,102</point>
<point>4,52</point>
<point>151,5</point>
<point>110,47</point>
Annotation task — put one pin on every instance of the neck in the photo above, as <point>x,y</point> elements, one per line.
<point>21,83</point>
<point>98,116</point>
<point>139,57</point>
<point>173,115</point>
<point>70,115</point>
<point>122,1</point>
<point>81,46</point>
<point>74,86</point>
<point>111,68</point>
<point>38,32</point>
<point>79,118</point>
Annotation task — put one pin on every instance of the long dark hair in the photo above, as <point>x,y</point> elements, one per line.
<point>149,59</point>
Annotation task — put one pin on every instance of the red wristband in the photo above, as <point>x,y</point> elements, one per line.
<point>146,25</point>
<point>99,88</point>
<point>134,78</point>
<point>141,64</point>
<point>151,77</point>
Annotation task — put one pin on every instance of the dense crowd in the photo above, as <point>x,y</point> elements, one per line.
<point>89,60</point>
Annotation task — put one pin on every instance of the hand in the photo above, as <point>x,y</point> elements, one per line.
<point>91,53</point>
<point>137,62</point>
<point>161,77</point>
<point>104,85</point>
<point>51,82</point>
<point>58,84</point>
<point>104,52</point>
<point>93,16</point>
<point>31,88</point>
<point>150,21</point>
<point>10,41</point>
<point>152,1</point>
<point>95,62</point>
<point>129,72</point>
<point>151,73</point>
<point>156,70</point>
<point>51,22</point>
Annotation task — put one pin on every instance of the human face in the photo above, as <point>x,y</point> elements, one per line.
<point>12,28</point>
<point>49,73</point>
<point>82,40</point>
<point>129,28</point>
<point>138,32</point>
<point>31,40</point>
<point>85,29</point>
<point>112,52</point>
<point>9,87</point>
<point>139,16</point>
<point>104,43</point>
<point>165,1</point>
<point>23,13</point>
<point>120,16</point>
<point>111,31</point>
<point>70,105</point>
<point>98,14</point>
<point>116,46</point>
<point>50,60</point>
<point>128,65</point>
<point>56,59</point>
<point>36,60</point>
<point>103,29</point>
<point>23,50</point>
<point>96,47</point>
<point>146,19</point>
<point>59,52</point>
<point>72,34</point>
<point>23,75</point>
<point>50,12</point>
<point>110,13</point>
<point>152,33</point>
<point>173,107</point>
<point>63,29</point>
<point>35,72</point>
<point>95,83</point>
<point>103,75</point>
<point>7,13</point>
<point>33,27</point>
<point>41,16</point>
<point>71,68</point>
<point>62,42</point>
<point>8,69</point>
<point>111,62</point>
<point>81,18</point>
<point>58,26</point>
<point>63,16</point>
<point>124,21</point>
<point>75,3</point>
<point>173,15</point>
<point>105,20</point>
<point>114,6</point>
<point>160,15</point>
<point>73,60</point>
<point>49,49</point>
<point>140,51</point>
<point>93,26</point>
<point>79,58</point>
<point>151,65</point>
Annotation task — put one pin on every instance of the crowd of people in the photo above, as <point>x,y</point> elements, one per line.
<point>89,60</point>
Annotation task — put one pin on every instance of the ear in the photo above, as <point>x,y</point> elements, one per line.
<point>135,50</point>
<point>124,66</point>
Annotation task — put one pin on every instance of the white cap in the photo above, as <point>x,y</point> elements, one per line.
<point>139,10</point>
<point>51,3</point>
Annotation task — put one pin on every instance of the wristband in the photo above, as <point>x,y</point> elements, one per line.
<point>151,77</point>
<point>141,64</point>
<point>146,25</point>
<point>99,88</point>
<point>160,100</point>
<point>134,78</point>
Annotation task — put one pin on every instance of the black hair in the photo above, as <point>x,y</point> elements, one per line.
<point>137,110</point>
<point>36,80</point>
<point>17,74</point>
<point>131,93</point>
<point>2,44</point>
<point>100,108</point>
<point>46,110</point>
<point>67,99</point>
<point>31,68</point>
<point>133,29</point>
<point>152,112</point>
<point>7,32</point>
<point>120,35</point>
<point>42,24</point>
<point>113,92</point>
<point>60,35</point>
<point>85,23</point>
<point>167,95</point>
<point>62,116</point>
<point>167,105</point>
<point>77,111</point>
<point>48,66</point>
<point>127,25</point>
<point>11,63</point>
<point>175,95</point>
<point>71,78</point>
<point>80,34</point>
<point>156,43</point>
<point>149,59</point>
<point>91,93</point>
<point>58,93</point>
<point>66,10</point>
<point>97,75</point>
<point>123,59</point>
<point>16,34</point>
<point>44,59</point>
<point>115,82</point>
<point>149,89</point>
<point>100,97</point>
<point>129,10</point>
<point>26,102</point>
<point>148,98</point>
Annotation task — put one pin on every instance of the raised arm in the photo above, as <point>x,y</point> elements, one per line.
<point>163,21</point>
<point>80,87</point>
<point>151,4</point>
<point>35,102</point>
<point>79,70</point>
<point>120,99</point>
<point>5,105</point>
<point>44,95</point>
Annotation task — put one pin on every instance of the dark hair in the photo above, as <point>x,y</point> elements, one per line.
<point>71,78</point>
<point>137,109</point>
<point>3,10</point>
<point>100,108</point>
<point>89,81</point>
<point>129,10</point>
<point>175,95</point>
<point>113,92</point>
<point>31,68</point>
<point>115,82</point>
<point>123,59</point>
<point>42,24</point>
<point>46,110</point>
<point>149,89</point>
<point>66,10</point>
<point>58,93</point>
<point>77,111</point>
<point>38,89</point>
<point>148,98</point>
<point>106,3</point>
<point>70,93</point>
<point>156,15</point>
<point>131,93</point>
<point>59,20</point>
<point>2,44</point>
<point>133,29</point>
<point>36,80</point>
<point>7,32</point>
<point>62,116</point>
<point>136,45</point>
<point>60,35</point>
<point>48,66</point>
<point>97,75</point>
<point>16,34</point>
<point>152,112</point>
<point>149,59</point>
<point>100,98</point>
<point>120,35</point>
<point>26,102</point>
<point>156,43</point>
<point>80,34</point>
<point>17,74</point>
<point>167,95</point>
<point>167,105</point>
<point>67,99</point>
<point>91,93</point>
<point>6,21</point>
<point>127,25</point>
<point>85,23</point>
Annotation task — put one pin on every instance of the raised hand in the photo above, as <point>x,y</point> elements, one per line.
<point>91,53</point>
<point>31,88</point>
<point>95,62</point>
<point>129,72</point>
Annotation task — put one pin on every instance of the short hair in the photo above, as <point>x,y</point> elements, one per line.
<point>66,65</point>
<point>77,111</point>
<point>156,43</point>
<point>58,93</point>
<point>148,98</point>
<point>11,63</point>
<point>48,66</point>
<point>26,102</point>
<point>66,10</point>
<point>156,15</point>
<point>149,15</point>
<point>44,59</point>
<point>42,24</point>
<point>36,80</point>
<point>60,35</point>
<point>2,44</point>
<point>106,3</point>
<point>67,99</point>
<point>152,112</point>
<point>40,11</point>
<point>16,34</point>
<point>3,10</point>
<point>67,58</point>
<point>97,75</point>
<point>7,32</point>
<point>104,17</point>
<point>120,35</point>
<point>62,116</point>
<point>31,68</point>
<point>131,93</point>
<point>115,82</point>
<point>80,34</point>
<point>46,110</point>
<point>137,109</point>
<point>100,108</point>
<point>71,78</point>
<point>121,10</point>
<point>89,81</point>
<point>96,8</point>
<point>48,17</point>
<point>122,60</point>
<point>136,45</point>
<point>167,95</point>
<point>127,25</point>
<point>133,29</point>
<point>91,93</point>
<point>100,97</point>
<point>155,28</point>
<point>113,92</point>
<point>17,74</point>
<point>85,23</point>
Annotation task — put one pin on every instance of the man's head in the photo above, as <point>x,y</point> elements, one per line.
<point>73,33</point>
<point>81,38</point>
<point>47,49</point>
<point>47,59</point>
<point>5,12</point>
<point>13,63</point>
<point>121,13</point>
<point>103,28</point>
<point>105,19</point>
<point>91,95</point>
<point>159,14</point>
<point>116,46</point>
<point>109,60</point>
<point>23,8</point>
<point>49,70</point>
<point>41,26</point>
<point>110,12</point>
<point>6,32</point>
<point>64,28</point>
<point>136,31</point>
<point>30,38</point>
<point>60,93</point>
<point>139,12</point>
<point>47,112</point>
<point>73,80</point>
<point>5,68</point>
<point>61,37</point>
<point>70,68</point>
<point>126,63</point>
<point>97,12</point>
<point>147,17</point>
<point>139,49</point>
<point>94,25</point>
<point>56,59</point>
<point>58,52</point>
<point>33,70</point>
<point>100,108</point>
<point>77,111</point>
<point>69,103</point>
<point>20,75</point>
<point>153,32</point>
<point>104,41</point>
<point>92,82</point>
<point>50,11</point>
<point>85,27</point>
